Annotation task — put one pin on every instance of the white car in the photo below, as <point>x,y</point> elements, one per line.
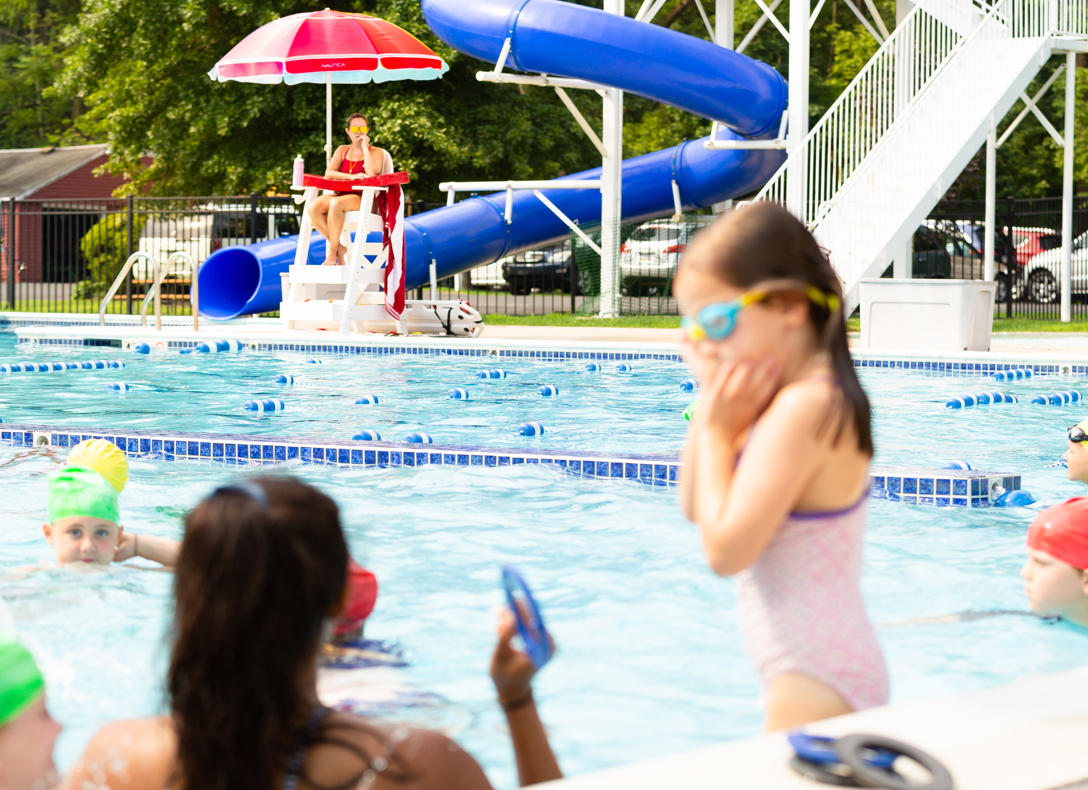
<point>208,228</point>
<point>649,257</point>
<point>1043,271</point>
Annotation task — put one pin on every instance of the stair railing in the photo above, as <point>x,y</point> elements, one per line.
<point>155,291</point>
<point>120,278</point>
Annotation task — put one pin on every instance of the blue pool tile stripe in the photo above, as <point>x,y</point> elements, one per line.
<point>943,488</point>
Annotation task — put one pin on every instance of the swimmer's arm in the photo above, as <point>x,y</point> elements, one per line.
<point>149,547</point>
<point>781,458</point>
<point>332,170</point>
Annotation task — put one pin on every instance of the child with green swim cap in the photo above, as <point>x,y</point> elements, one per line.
<point>83,523</point>
<point>27,731</point>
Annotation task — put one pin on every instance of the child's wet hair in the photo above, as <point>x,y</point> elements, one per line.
<point>765,242</point>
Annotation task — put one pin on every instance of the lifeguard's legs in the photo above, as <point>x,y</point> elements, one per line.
<point>339,205</point>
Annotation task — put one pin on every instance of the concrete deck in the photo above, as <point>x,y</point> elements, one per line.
<point>1029,735</point>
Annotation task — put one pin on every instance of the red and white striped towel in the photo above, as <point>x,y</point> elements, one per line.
<point>391,207</point>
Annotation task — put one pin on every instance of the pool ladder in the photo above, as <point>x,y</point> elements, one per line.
<point>154,292</point>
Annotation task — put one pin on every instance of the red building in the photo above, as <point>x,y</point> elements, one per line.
<point>50,197</point>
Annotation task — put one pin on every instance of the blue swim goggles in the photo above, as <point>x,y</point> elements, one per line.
<point>716,321</point>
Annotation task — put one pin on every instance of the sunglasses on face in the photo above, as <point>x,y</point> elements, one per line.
<point>359,129</point>
<point>1077,434</point>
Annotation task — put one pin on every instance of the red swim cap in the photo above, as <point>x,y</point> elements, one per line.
<point>1062,532</point>
<point>362,595</point>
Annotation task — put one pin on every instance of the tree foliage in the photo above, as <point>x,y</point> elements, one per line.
<point>133,73</point>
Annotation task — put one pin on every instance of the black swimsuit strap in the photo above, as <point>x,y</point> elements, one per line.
<point>293,775</point>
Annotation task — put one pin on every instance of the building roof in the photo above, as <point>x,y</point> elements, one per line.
<point>24,171</point>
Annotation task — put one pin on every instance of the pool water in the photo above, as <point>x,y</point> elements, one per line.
<point>650,659</point>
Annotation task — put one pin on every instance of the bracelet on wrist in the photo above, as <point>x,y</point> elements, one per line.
<point>518,703</point>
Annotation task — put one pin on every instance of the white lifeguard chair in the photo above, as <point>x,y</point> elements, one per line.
<point>351,298</point>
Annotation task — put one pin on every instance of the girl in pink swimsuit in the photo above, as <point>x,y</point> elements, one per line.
<point>764,333</point>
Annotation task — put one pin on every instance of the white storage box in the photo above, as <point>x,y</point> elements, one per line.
<point>927,315</point>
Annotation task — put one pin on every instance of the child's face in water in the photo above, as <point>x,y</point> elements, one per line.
<point>767,329</point>
<point>1054,587</point>
<point>84,540</point>
<point>1076,458</point>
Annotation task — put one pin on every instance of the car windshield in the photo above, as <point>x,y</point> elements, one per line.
<point>656,233</point>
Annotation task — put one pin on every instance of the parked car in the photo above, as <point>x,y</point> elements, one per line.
<point>209,228</point>
<point>1042,271</point>
<point>545,270</point>
<point>650,255</point>
<point>931,258</point>
<point>490,275</point>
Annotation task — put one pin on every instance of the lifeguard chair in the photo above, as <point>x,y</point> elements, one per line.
<point>352,297</point>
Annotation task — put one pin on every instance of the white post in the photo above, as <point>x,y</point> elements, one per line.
<point>901,263</point>
<point>796,189</point>
<point>328,117</point>
<point>724,34</point>
<point>991,204</point>
<point>1067,186</point>
<point>611,191</point>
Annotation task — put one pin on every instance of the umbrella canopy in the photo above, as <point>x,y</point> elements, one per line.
<point>329,47</point>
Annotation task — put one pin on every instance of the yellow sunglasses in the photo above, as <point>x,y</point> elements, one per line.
<point>359,129</point>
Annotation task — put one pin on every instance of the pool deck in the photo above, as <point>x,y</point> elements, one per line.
<point>1028,735</point>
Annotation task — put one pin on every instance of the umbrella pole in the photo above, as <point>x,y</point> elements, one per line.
<point>328,117</point>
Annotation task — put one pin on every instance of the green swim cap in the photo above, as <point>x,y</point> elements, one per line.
<point>78,491</point>
<point>20,681</point>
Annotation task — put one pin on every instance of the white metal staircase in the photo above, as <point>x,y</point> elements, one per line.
<point>886,151</point>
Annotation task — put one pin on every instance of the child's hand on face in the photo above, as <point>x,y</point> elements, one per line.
<point>126,546</point>
<point>736,395</point>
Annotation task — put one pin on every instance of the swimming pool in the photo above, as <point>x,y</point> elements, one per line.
<point>651,661</point>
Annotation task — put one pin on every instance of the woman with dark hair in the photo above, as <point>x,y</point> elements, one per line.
<point>776,467</point>
<point>350,162</point>
<point>261,576</point>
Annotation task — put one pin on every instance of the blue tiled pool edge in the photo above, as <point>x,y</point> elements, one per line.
<point>942,488</point>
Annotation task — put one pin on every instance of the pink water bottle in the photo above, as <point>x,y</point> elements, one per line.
<point>299,169</point>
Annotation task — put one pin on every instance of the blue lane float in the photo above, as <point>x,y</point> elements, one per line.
<point>548,390</point>
<point>118,386</point>
<point>1062,398</point>
<point>313,361</point>
<point>592,367</point>
<point>458,393</point>
<point>531,429</point>
<point>264,406</point>
<point>50,367</point>
<point>689,385</point>
<point>285,378</point>
<point>982,399</point>
<point>491,374</point>
<point>1016,374</point>
<point>141,348</point>
<point>367,400</point>
<point>367,435</point>
<point>417,437</point>
<point>623,367</point>
<point>217,347</point>
<point>958,465</point>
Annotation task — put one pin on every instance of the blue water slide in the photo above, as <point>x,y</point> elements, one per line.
<point>565,40</point>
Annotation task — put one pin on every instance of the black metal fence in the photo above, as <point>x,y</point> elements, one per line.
<point>1027,252</point>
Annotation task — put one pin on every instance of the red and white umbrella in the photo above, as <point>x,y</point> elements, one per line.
<point>329,47</point>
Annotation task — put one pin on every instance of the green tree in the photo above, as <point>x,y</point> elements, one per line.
<point>31,56</point>
<point>105,247</point>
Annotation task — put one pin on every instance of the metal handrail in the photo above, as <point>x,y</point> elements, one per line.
<point>156,288</point>
<point>120,278</point>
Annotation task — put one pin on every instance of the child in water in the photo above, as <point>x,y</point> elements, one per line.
<point>1076,456</point>
<point>27,731</point>
<point>84,510</point>
<point>1056,572</point>
<point>776,466</point>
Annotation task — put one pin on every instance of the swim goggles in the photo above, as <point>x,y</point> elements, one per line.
<point>717,321</point>
<point>1077,434</point>
<point>359,129</point>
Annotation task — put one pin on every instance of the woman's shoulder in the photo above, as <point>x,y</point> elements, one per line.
<point>401,755</point>
<point>130,755</point>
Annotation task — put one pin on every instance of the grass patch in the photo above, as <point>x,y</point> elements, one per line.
<point>566,319</point>
<point>1038,325</point>
<point>89,307</point>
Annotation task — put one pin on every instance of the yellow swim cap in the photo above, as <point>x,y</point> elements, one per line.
<point>103,457</point>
